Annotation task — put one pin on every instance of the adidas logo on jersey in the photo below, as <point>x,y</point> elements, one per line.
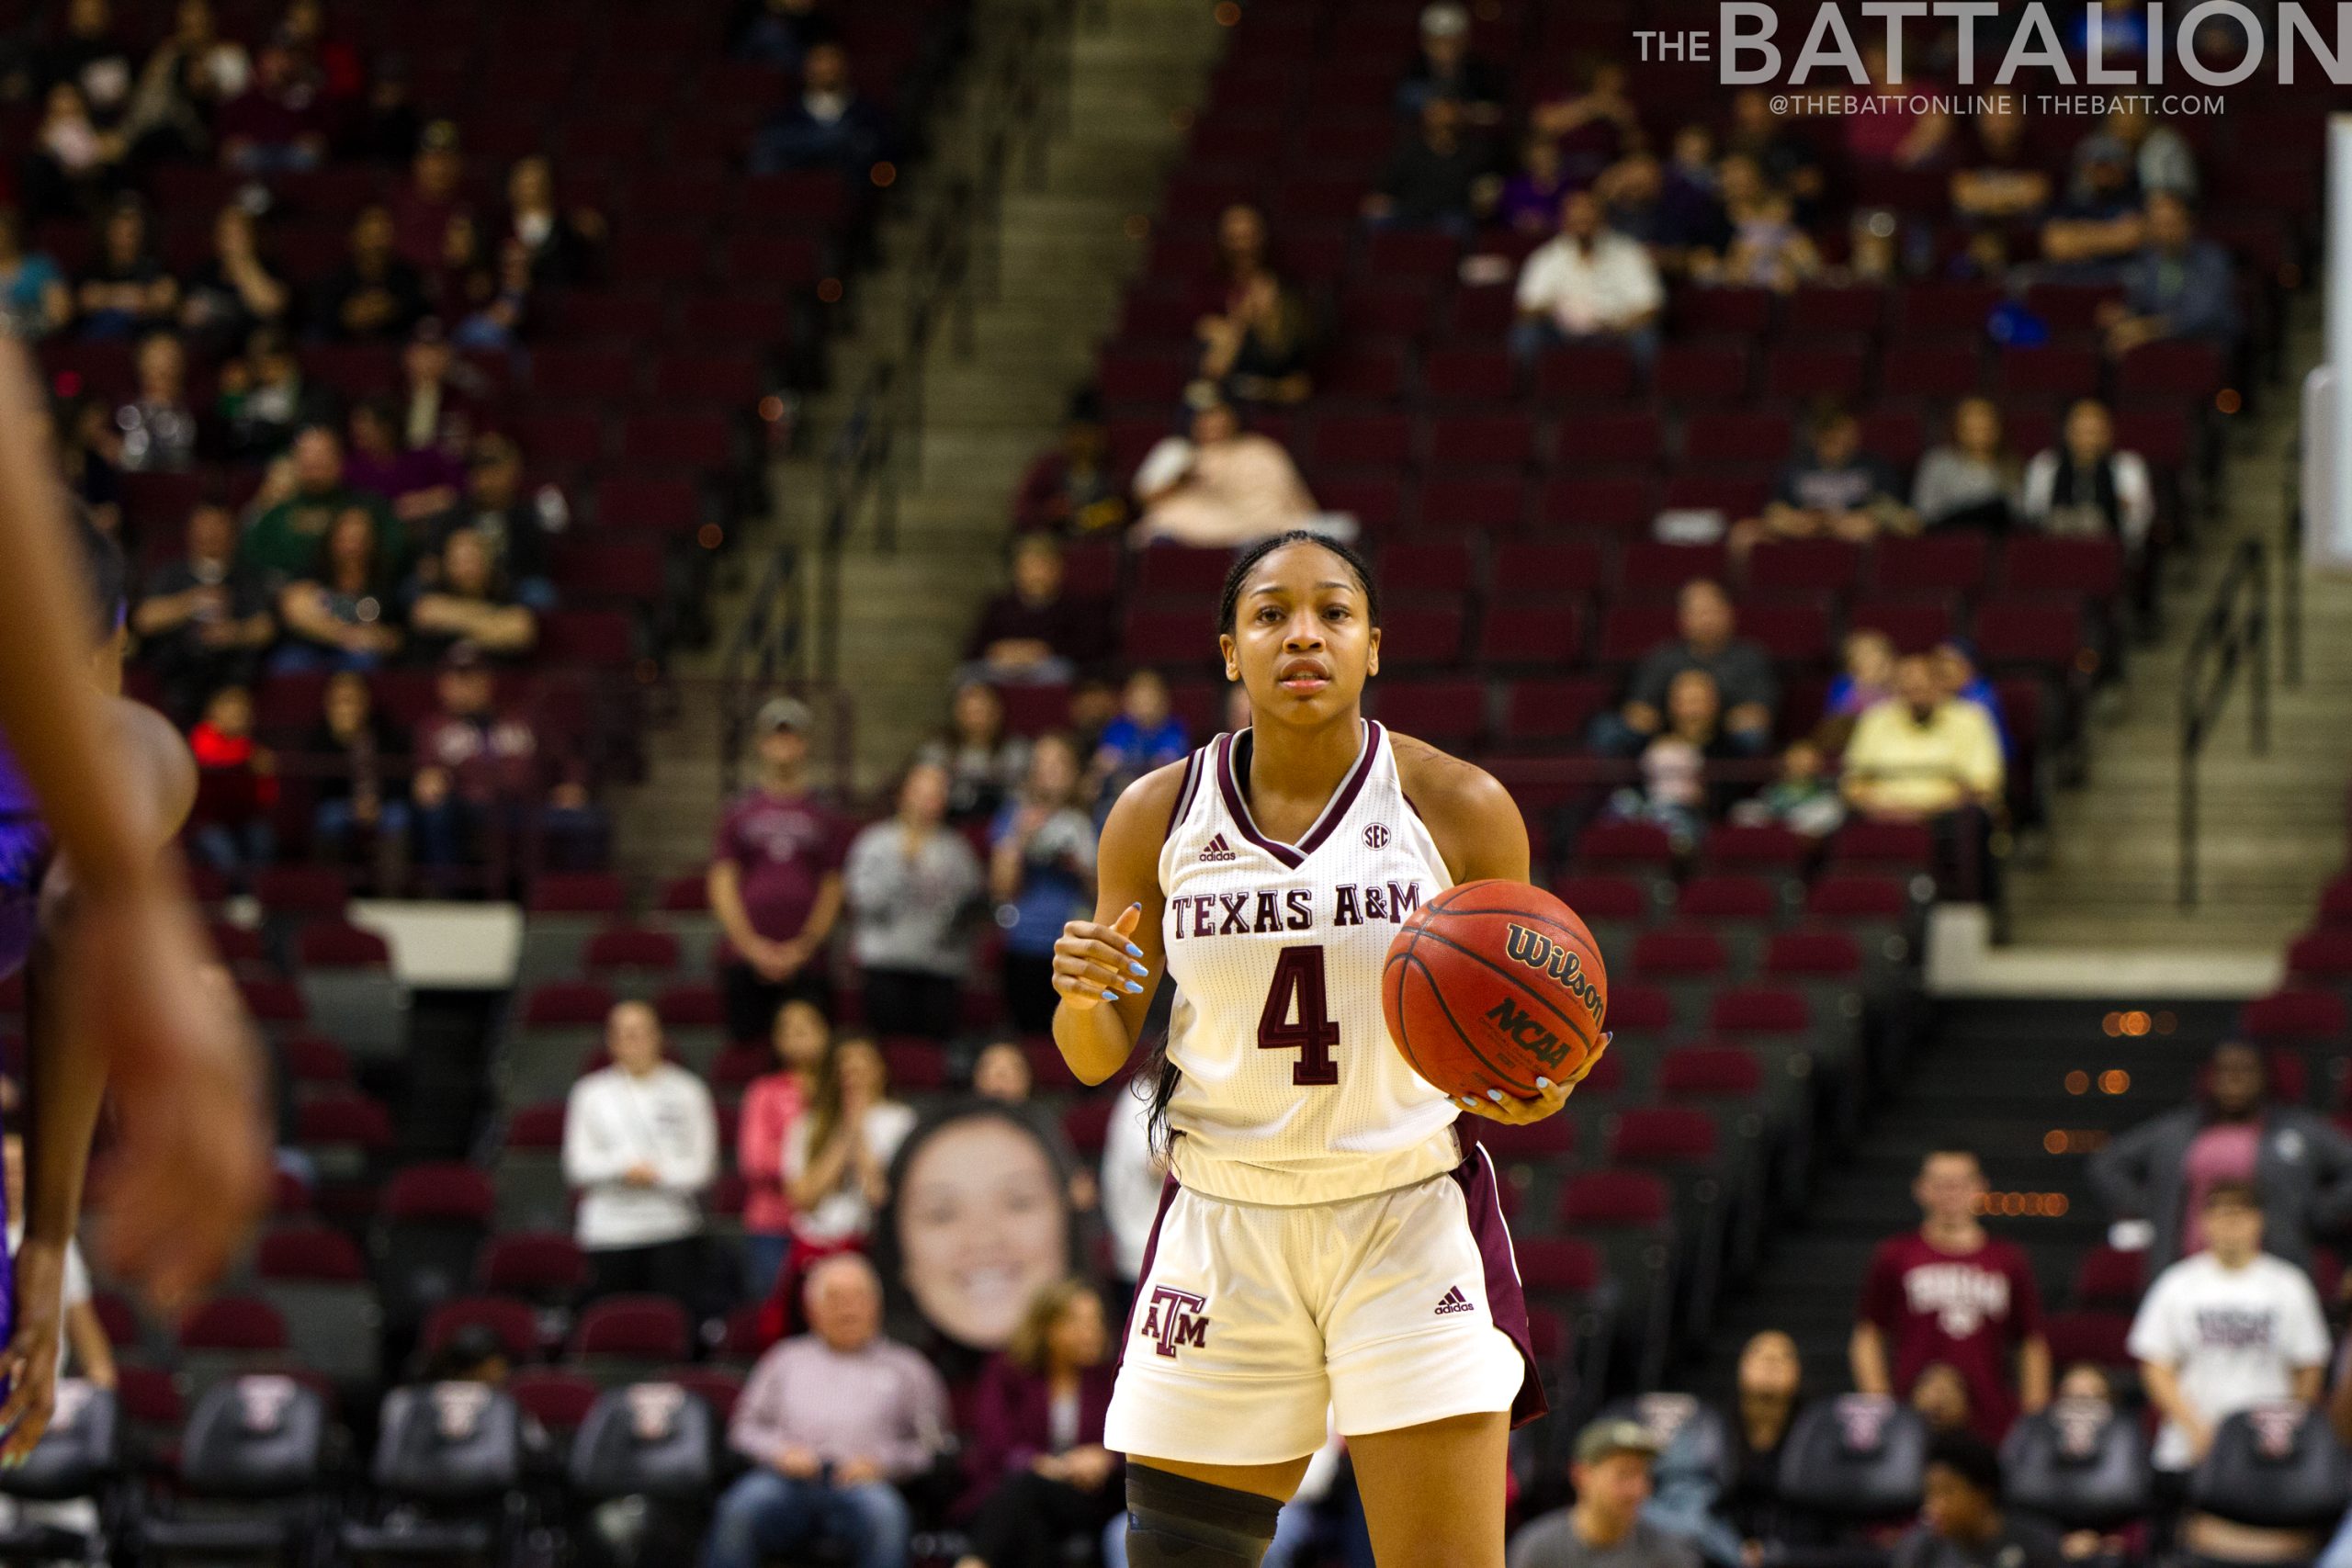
<point>1454,1301</point>
<point>1218,850</point>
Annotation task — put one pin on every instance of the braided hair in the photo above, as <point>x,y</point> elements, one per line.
<point>1229,602</point>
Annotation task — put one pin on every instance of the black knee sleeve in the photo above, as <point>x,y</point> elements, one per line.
<point>1175,1521</point>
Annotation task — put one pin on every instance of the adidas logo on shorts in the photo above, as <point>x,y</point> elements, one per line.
<point>1218,850</point>
<point>1454,1301</point>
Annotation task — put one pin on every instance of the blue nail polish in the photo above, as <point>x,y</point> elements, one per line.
<point>1140,972</point>
<point>1110,996</point>
<point>1134,951</point>
<point>1543,1083</point>
<point>1495,1095</point>
<point>1133,989</point>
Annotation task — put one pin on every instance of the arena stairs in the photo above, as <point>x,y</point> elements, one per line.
<point>1067,248</point>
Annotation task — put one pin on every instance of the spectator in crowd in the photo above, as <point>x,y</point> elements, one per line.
<point>1529,200</point>
<point>2162,1171</point>
<point>1765,248</point>
<point>1951,1292</point>
<point>424,206</point>
<point>183,86</point>
<point>1904,128</point>
<point>827,124</point>
<point>1760,130</point>
<point>1001,1072</point>
<point>772,1107</point>
<point>343,613</point>
<point>482,780</point>
<point>1771,1389</point>
<point>913,884</point>
<point>2084,487</point>
<point>34,300</point>
<point>1604,1527</point>
<point>264,399</point>
<point>74,161</point>
<point>563,246</point>
<point>1037,1476</point>
<point>126,291</point>
<point>833,1422</point>
<point>1592,129</point>
<point>229,826</point>
<point>232,292</point>
<point>360,809</point>
<point>1832,489</point>
<point>1971,480</point>
<point>2226,1328</point>
<point>466,603</point>
<point>1041,873</point>
<point>1802,799</point>
<point>1921,756</point>
<point>1956,673</point>
<point>84,1337</point>
<point>1741,671</point>
<point>1257,352</point>
<point>440,396</point>
<point>1438,177</point>
<point>1866,680</point>
<point>158,428</point>
<point>486,292</point>
<point>1445,69</point>
<point>778,33</point>
<point>419,483</point>
<point>1962,1525</point>
<point>513,527</point>
<point>204,619</point>
<point>1145,736</point>
<point>982,1212</point>
<point>1072,489</point>
<point>1940,1396</point>
<point>2178,285</point>
<point>985,761</point>
<point>277,125</point>
<point>1587,283</point>
<point>837,1155</point>
<point>1995,178</point>
<point>640,1142</point>
<point>1036,630</point>
<point>1673,791</point>
<point>283,538</point>
<point>1134,1175</point>
<point>776,879</point>
<point>2099,222</point>
<point>1223,488</point>
<point>375,297</point>
<point>2154,155</point>
<point>91,56</point>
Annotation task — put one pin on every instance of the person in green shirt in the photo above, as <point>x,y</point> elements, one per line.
<point>283,541</point>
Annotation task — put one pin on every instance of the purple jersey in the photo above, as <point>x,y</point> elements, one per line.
<point>23,856</point>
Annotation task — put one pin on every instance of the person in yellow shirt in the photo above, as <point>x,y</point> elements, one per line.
<point>1920,754</point>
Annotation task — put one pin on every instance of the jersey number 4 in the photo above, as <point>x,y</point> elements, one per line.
<point>1298,989</point>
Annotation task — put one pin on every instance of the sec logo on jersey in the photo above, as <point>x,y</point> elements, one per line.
<point>1375,835</point>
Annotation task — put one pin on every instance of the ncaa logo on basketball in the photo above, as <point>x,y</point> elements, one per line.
<point>1173,1318</point>
<point>1375,835</point>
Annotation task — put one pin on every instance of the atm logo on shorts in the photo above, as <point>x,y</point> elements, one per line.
<point>1176,1317</point>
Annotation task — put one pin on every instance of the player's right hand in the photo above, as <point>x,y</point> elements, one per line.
<point>1095,964</point>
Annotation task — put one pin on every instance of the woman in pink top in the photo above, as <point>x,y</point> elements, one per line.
<point>771,1106</point>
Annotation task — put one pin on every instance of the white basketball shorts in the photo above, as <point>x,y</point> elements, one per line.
<point>1251,1321</point>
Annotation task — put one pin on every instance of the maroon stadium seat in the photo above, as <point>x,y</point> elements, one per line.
<point>1709,1071</point>
<point>1662,1135</point>
<point>2295,1016</point>
<point>1614,1199</point>
<point>514,1323</point>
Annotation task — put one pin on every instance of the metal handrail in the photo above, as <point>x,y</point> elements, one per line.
<point>2234,630</point>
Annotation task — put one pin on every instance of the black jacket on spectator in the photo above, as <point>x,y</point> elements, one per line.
<point>2305,1173</point>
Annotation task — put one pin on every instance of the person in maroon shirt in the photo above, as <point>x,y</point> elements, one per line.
<point>776,881</point>
<point>483,781</point>
<point>422,208</point>
<point>276,123</point>
<point>1036,1472</point>
<point>1950,1292</point>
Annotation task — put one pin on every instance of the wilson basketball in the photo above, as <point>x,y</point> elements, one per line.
<point>1493,984</point>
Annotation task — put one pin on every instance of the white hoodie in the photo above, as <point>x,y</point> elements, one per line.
<point>614,1123</point>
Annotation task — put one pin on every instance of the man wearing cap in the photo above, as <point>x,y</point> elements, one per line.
<point>1604,1527</point>
<point>1961,1522</point>
<point>775,880</point>
<point>1446,69</point>
<point>479,770</point>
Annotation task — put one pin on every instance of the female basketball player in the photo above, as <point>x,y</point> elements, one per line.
<point>1323,1243</point>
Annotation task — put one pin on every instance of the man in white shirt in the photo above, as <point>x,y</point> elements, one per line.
<point>2224,1329</point>
<point>1588,283</point>
<point>641,1140</point>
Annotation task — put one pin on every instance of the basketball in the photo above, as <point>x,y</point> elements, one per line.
<point>1493,984</point>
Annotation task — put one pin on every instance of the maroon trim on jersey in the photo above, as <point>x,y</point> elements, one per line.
<point>1506,1301</point>
<point>1168,1190</point>
<point>1342,798</point>
<point>1184,791</point>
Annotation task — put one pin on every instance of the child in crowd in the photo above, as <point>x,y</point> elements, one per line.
<point>1802,799</point>
<point>236,788</point>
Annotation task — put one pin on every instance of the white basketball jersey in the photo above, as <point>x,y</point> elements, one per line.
<point>1292,1091</point>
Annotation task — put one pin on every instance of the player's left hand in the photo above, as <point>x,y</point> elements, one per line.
<point>29,1363</point>
<point>1517,1111</point>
